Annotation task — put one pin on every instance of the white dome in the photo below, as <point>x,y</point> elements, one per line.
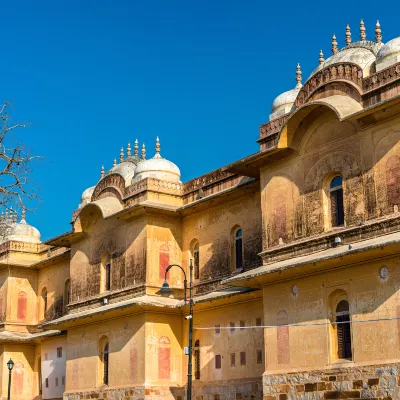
<point>126,169</point>
<point>23,232</point>
<point>361,53</point>
<point>87,196</point>
<point>157,167</point>
<point>388,54</point>
<point>284,102</point>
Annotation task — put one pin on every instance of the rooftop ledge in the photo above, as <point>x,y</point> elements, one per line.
<point>326,259</point>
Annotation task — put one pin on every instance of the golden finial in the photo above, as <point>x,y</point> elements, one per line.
<point>115,162</point>
<point>348,35</point>
<point>363,35</point>
<point>136,148</point>
<point>321,57</point>
<point>298,76</point>
<point>378,32</point>
<point>157,146</point>
<point>334,44</point>
<point>121,155</point>
<point>128,150</point>
<point>102,172</point>
<point>143,151</point>
<point>11,216</point>
<point>6,214</point>
<point>15,217</point>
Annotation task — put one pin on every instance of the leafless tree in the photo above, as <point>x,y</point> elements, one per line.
<point>16,190</point>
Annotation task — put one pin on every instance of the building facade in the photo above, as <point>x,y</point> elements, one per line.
<point>295,249</point>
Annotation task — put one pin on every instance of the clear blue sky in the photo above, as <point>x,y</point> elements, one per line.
<point>92,75</point>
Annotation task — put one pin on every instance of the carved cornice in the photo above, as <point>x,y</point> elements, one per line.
<point>113,180</point>
<point>382,78</point>
<point>22,246</point>
<point>340,71</point>
<point>205,180</point>
<point>273,126</point>
<point>155,185</point>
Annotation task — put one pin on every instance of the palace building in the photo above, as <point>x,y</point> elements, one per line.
<point>296,253</point>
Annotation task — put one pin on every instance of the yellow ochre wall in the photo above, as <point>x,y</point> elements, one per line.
<point>313,347</point>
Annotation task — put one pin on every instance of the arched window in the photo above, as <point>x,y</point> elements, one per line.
<point>336,201</point>
<point>67,294</point>
<point>343,330</point>
<point>104,360</point>
<point>21,309</point>
<point>196,259</point>
<point>105,273</point>
<point>44,297</point>
<point>238,249</point>
<point>197,359</point>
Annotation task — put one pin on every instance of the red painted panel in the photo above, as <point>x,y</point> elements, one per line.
<point>21,311</point>
<point>283,338</point>
<point>132,363</point>
<point>18,377</point>
<point>164,363</point>
<point>164,260</point>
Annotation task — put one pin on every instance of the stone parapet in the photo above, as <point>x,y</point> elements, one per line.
<point>361,382</point>
<point>132,393</point>
<point>235,389</point>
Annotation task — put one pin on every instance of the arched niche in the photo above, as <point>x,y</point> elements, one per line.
<point>316,185</point>
<point>283,208</point>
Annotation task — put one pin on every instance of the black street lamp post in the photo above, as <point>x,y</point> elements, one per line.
<point>10,366</point>
<point>165,289</point>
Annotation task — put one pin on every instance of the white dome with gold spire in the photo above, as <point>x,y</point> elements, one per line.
<point>22,232</point>
<point>157,167</point>
<point>284,102</point>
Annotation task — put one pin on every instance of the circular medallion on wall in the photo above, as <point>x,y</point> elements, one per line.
<point>383,272</point>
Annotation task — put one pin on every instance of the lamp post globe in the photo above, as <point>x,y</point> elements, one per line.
<point>10,364</point>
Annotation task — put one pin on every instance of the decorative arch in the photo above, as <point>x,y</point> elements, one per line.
<point>44,296</point>
<point>283,346</point>
<point>164,358</point>
<point>195,256</point>
<point>22,304</point>
<point>237,254</point>
<point>336,163</point>
<point>113,184</point>
<point>67,294</point>
<point>294,128</point>
<point>104,352</point>
<point>349,73</point>
<point>283,210</point>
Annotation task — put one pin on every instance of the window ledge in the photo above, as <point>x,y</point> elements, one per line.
<point>342,361</point>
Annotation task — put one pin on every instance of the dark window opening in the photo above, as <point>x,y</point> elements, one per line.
<point>196,257</point>
<point>343,330</point>
<point>108,276</point>
<point>238,249</point>
<point>336,198</point>
<point>56,381</point>
<point>242,358</point>
<point>59,352</point>
<point>47,382</point>
<point>105,361</point>
<point>259,357</point>
<point>233,359</point>
<point>197,360</point>
<point>217,329</point>
<point>218,361</point>
<point>242,325</point>
<point>258,322</point>
<point>232,327</point>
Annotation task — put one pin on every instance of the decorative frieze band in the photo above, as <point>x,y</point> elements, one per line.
<point>382,78</point>
<point>205,180</point>
<point>340,71</point>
